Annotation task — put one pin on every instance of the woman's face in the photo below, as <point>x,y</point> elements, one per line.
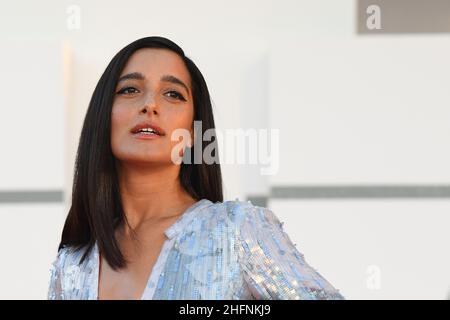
<point>155,88</point>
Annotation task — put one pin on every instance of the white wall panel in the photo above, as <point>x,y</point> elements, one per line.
<point>406,240</point>
<point>363,110</point>
<point>29,239</point>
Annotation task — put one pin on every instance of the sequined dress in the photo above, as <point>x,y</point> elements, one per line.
<point>225,250</point>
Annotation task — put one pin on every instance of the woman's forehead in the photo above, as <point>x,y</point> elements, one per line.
<point>154,62</point>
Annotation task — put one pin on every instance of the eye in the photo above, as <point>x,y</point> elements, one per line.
<point>176,95</point>
<point>127,90</point>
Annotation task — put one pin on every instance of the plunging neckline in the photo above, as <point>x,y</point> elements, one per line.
<point>156,271</point>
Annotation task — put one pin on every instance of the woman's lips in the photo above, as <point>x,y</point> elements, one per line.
<point>146,136</point>
<point>147,125</point>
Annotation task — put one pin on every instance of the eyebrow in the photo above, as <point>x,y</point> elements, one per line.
<point>165,78</point>
<point>174,80</point>
<point>133,75</point>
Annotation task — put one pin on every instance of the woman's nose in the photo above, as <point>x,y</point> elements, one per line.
<point>145,109</point>
<point>150,105</point>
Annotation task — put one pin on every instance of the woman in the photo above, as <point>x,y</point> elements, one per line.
<point>142,224</point>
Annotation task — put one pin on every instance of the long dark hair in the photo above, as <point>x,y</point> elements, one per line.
<point>96,207</point>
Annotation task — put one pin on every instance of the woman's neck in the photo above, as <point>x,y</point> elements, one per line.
<point>151,194</point>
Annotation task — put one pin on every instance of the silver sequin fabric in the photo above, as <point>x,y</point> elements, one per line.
<point>231,250</point>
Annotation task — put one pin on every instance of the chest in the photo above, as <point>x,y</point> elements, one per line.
<point>130,282</point>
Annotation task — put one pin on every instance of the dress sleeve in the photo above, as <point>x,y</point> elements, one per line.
<point>55,291</point>
<point>273,268</point>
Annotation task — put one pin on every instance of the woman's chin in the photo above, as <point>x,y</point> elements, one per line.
<point>145,160</point>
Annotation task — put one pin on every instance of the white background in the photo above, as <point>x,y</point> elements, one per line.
<point>351,110</point>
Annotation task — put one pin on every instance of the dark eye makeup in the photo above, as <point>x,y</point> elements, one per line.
<point>171,94</point>
<point>176,95</point>
<point>127,90</point>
